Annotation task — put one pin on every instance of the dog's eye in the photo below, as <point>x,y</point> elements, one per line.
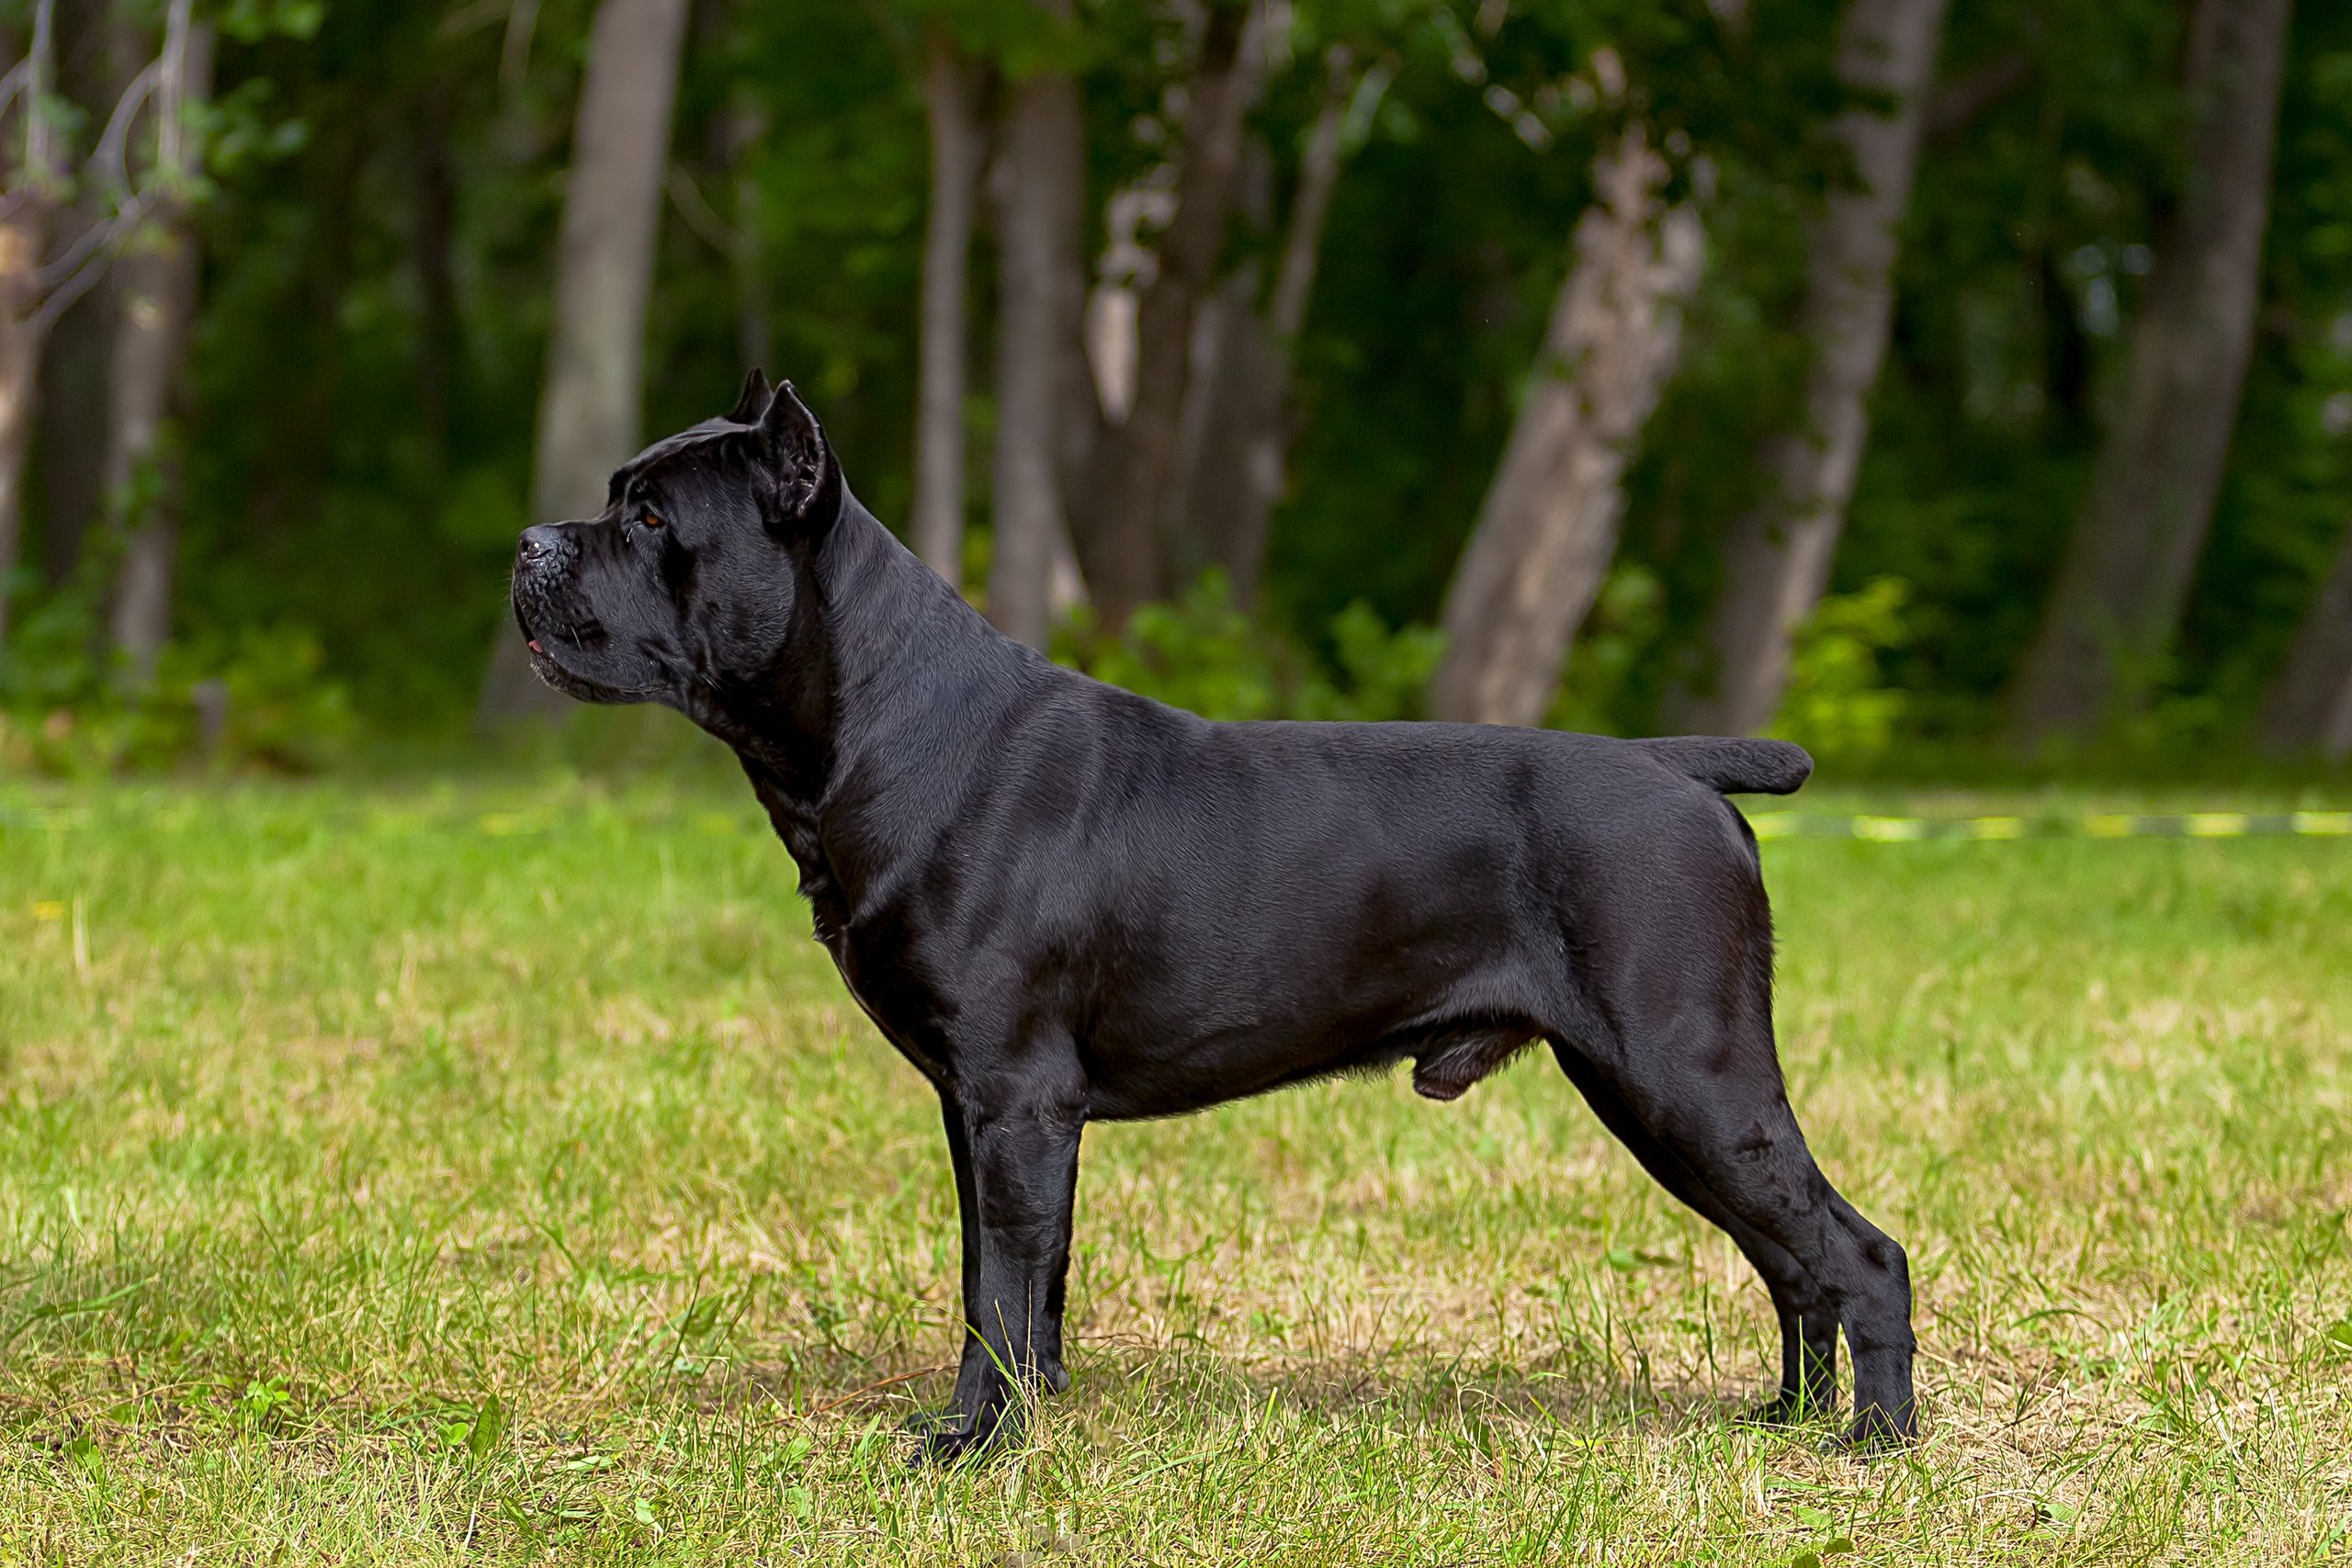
<point>652,520</point>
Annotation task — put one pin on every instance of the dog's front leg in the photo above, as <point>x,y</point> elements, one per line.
<point>1015,1151</point>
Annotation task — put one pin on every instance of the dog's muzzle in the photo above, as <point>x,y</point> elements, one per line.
<point>543,562</point>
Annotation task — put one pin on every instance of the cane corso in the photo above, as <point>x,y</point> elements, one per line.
<point>1063,902</point>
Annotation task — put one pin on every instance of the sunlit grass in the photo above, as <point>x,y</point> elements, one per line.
<point>414,1177</point>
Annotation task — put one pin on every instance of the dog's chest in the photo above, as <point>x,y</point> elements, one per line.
<point>882,998</point>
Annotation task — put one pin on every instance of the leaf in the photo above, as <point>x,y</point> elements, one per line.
<point>1837,1546</point>
<point>1805,1560</point>
<point>490,1426</point>
<point>2340,1335</point>
<point>1813,1518</point>
<point>644,1512</point>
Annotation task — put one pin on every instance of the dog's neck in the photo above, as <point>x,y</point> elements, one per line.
<point>886,686</point>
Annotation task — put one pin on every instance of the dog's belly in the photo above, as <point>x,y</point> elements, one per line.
<point>1162,1053</point>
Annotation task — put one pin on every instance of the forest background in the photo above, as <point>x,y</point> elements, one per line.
<point>1945,386</point>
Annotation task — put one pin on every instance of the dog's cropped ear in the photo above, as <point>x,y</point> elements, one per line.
<point>753,400</point>
<point>808,480</point>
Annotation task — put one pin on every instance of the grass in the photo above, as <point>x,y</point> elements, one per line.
<point>499,1174</point>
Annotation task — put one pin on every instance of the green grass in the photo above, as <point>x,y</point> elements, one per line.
<point>501,1173</point>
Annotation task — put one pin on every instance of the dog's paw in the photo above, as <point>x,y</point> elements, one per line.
<point>963,1444</point>
<point>945,1448</point>
<point>950,1437</point>
<point>1874,1435</point>
<point>1784,1410</point>
<point>924,1423</point>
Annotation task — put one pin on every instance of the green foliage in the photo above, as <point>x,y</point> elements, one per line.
<point>385,186</point>
<point>1203,654</point>
<point>253,697</point>
<point>1838,704</point>
<point>1604,665</point>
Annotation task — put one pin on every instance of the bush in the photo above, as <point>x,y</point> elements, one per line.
<point>1203,654</point>
<point>1836,703</point>
<point>255,698</point>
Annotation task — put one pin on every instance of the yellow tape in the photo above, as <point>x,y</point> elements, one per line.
<point>2216,824</point>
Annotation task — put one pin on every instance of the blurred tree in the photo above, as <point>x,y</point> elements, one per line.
<point>1041,285</point>
<point>2310,708</point>
<point>33,174</point>
<point>155,280</point>
<point>1543,540</point>
<point>2118,597</point>
<point>951,87</point>
<point>65,480</point>
<point>1777,561</point>
<point>1128,539</point>
<point>139,178</point>
<point>1234,446</point>
<point>591,409</point>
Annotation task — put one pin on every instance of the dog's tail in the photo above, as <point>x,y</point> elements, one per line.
<point>1734,767</point>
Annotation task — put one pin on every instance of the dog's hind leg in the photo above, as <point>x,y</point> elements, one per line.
<point>1709,1094</point>
<point>1808,1322</point>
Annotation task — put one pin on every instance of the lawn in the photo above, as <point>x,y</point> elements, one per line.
<point>498,1172</point>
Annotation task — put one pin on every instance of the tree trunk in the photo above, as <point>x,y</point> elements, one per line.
<point>69,438</point>
<point>1233,414</point>
<point>591,410</point>
<point>2120,591</point>
<point>1777,561</point>
<point>22,231</point>
<point>1238,436</point>
<point>1125,537</point>
<point>1040,285</point>
<point>1543,538</point>
<point>955,149</point>
<point>154,281</point>
<point>2310,708</point>
<point>1245,460</point>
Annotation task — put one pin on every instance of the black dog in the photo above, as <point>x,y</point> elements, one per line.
<point>1064,902</point>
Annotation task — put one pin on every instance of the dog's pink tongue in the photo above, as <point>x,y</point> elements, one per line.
<point>536,648</point>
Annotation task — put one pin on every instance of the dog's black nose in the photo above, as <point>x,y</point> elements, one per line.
<point>539,544</point>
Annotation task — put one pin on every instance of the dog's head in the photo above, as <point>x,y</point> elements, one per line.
<point>690,580</point>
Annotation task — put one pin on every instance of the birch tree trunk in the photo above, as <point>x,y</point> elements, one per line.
<point>1040,299</point>
<point>955,151</point>
<point>591,410</point>
<point>1125,537</point>
<point>1543,538</point>
<point>2310,707</point>
<point>154,281</point>
<point>1777,560</point>
<point>2120,588</point>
